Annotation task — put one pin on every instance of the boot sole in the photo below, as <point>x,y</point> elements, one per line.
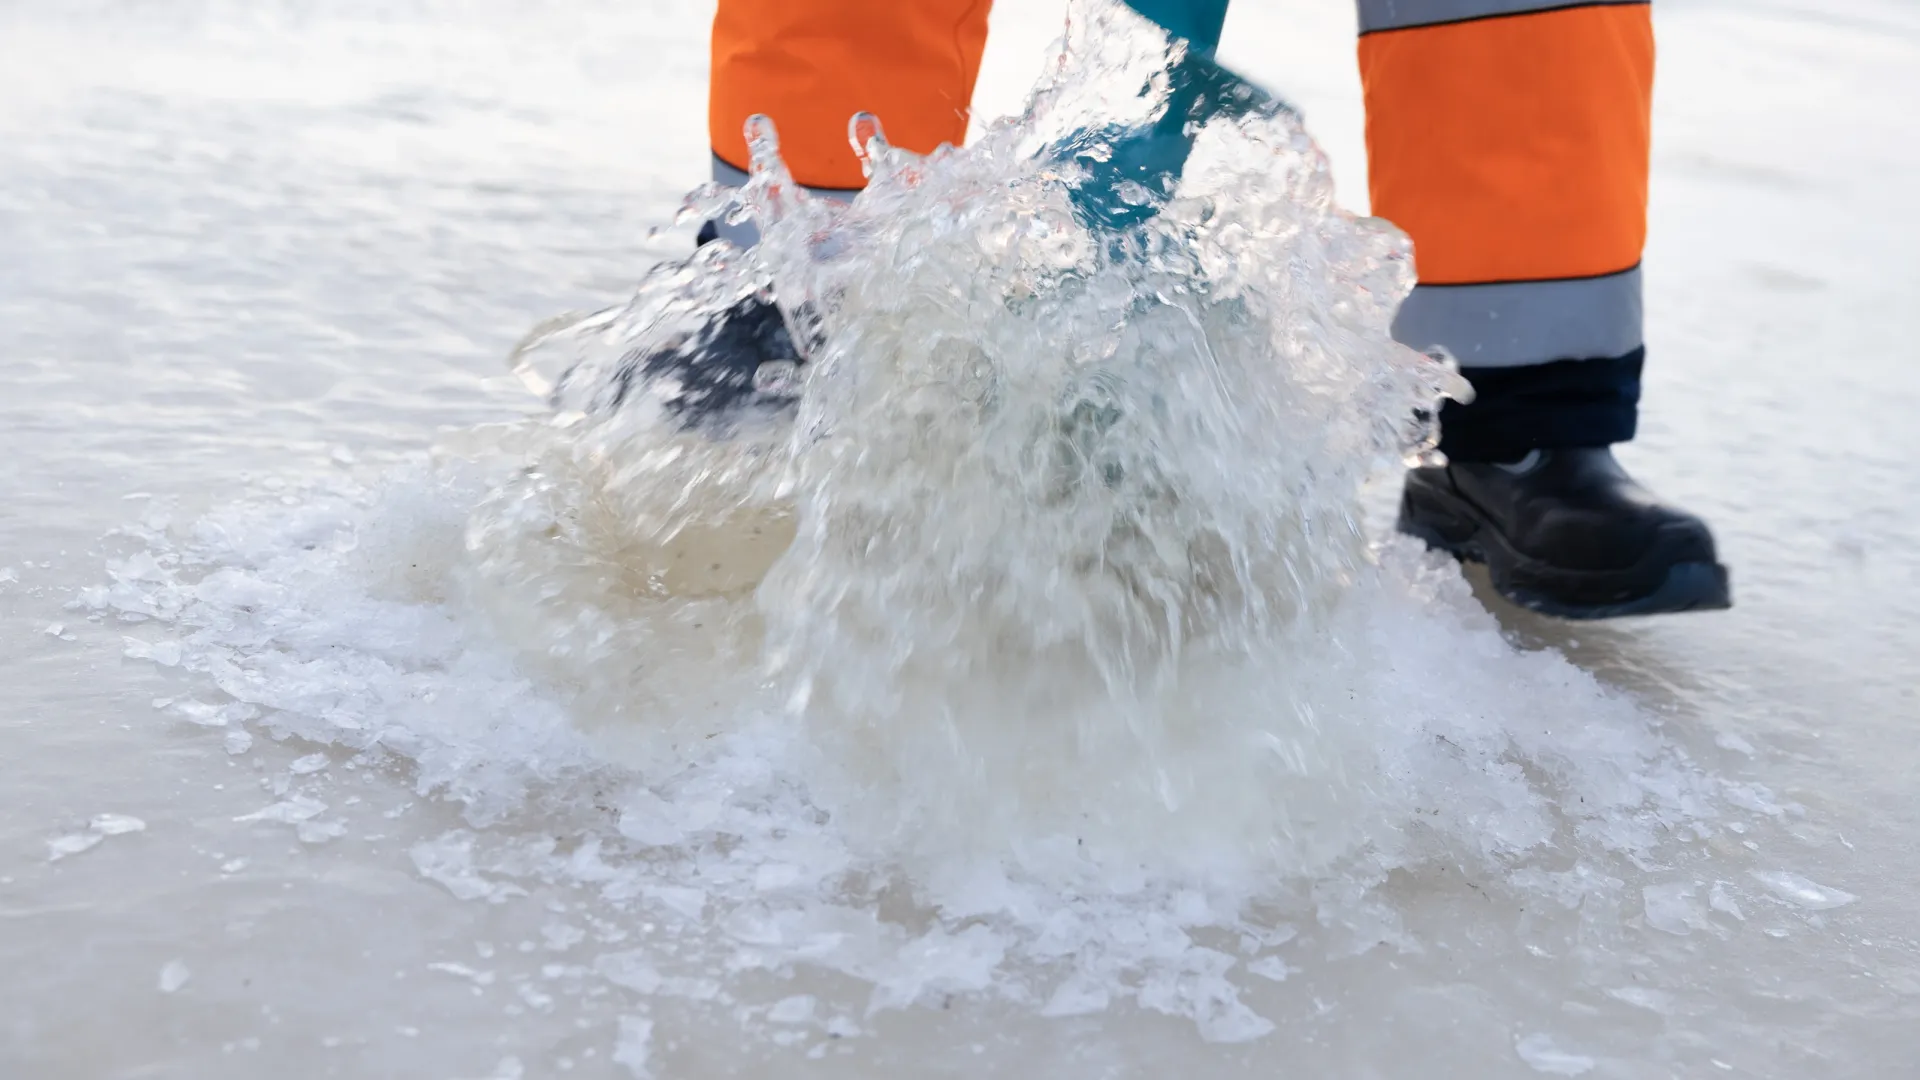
<point>1448,523</point>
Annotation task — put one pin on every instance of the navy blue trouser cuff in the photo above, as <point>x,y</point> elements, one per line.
<point>1542,407</point>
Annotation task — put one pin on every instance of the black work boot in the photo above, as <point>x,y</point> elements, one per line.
<point>716,373</point>
<point>1567,532</point>
<point>726,369</point>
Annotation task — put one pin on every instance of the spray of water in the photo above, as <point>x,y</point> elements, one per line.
<point>1060,548</point>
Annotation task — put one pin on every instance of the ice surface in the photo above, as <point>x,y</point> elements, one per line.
<point>1137,682</point>
<point>529,632</point>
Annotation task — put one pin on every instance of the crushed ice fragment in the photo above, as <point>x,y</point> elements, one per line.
<point>206,715</point>
<point>772,877</point>
<point>1270,967</point>
<point>198,712</point>
<point>288,811</point>
<point>448,861</point>
<point>797,1009</point>
<point>1542,1055</point>
<point>630,969</point>
<point>174,976</point>
<point>310,764</point>
<point>477,977</point>
<point>1802,892</point>
<point>1673,908</point>
<point>62,846</point>
<point>238,742</point>
<point>164,653</point>
<point>319,832</point>
<point>634,1045</point>
<point>116,824</point>
<point>98,829</point>
<point>1077,997</point>
<point>1720,899</point>
<point>1640,997</point>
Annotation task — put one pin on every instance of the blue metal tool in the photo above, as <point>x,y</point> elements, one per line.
<point>1132,170</point>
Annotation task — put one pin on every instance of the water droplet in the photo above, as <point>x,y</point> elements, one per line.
<point>869,140</point>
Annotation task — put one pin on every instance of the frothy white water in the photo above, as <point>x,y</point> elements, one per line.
<point>1042,655</point>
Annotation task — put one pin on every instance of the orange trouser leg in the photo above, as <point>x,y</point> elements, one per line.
<point>811,64</point>
<point>1510,139</point>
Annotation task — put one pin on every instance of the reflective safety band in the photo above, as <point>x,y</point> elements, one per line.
<point>1377,15</point>
<point>746,233</point>
<point>1510,324</point>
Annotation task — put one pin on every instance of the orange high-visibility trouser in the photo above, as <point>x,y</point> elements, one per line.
<point>1509,138</point>
<point>809,65</point>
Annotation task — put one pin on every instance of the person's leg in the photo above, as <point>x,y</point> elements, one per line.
<point>810,65</point>
<point>1510,139</point>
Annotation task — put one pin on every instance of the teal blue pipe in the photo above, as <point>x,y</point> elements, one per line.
<point>1126,186</point>
<point>1197,22</point>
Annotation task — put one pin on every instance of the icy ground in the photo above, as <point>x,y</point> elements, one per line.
<point>256,259</point>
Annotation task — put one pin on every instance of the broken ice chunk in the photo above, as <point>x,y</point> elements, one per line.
<point>1802,892</point>
<point>174,976</point>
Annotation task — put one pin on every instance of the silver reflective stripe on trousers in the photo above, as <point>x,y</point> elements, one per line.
<point>746,234</point>
<point>1378,15</point>
<point>1511,324</point>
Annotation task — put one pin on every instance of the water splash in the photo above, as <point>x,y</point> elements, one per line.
<point>1066,506</point>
